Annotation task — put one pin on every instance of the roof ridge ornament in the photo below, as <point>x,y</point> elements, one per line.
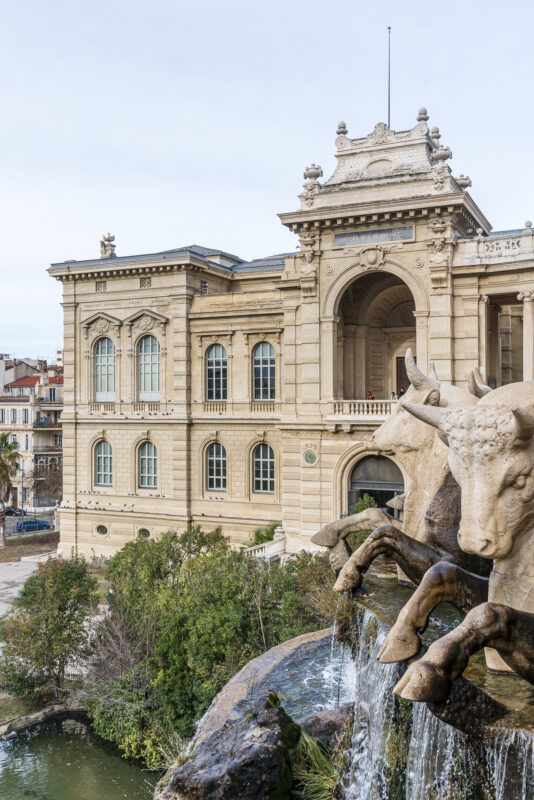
<point>107,246</point>
<point>422,115</point>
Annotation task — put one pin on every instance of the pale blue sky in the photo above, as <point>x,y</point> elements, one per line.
<point>171,123</point>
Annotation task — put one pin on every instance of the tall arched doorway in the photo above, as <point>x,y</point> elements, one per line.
<point>376,326</point>
<point>377,476</point>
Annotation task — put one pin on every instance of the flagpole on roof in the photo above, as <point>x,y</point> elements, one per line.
<point>389,76</point>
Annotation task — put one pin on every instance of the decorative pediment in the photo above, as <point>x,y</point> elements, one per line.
<point>144,321</point>
<point>100,324</point>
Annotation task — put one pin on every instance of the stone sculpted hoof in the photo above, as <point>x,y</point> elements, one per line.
<point>424,682</point>
<point>350,578</point>
<point>402,643</point>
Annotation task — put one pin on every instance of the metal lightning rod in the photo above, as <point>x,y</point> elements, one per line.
<point>389,76</point>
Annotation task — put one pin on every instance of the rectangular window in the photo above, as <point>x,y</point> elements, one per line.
<point>13,416</point>
<point>104,475</point>
<point>148,466</point>
<point>25,416</point>
<point>2,415</point>
<point>26,442</point>
<point>216,467</point>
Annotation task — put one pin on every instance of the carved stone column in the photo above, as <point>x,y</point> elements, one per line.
<point>528,334</point>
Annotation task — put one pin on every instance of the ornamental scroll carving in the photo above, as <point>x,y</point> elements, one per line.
<point>146,321</point>
<point>100,325</point>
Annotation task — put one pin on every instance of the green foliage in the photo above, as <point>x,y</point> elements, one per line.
<point>365,501</point>
<point>397,746</point>
<point>316,772</point>
<point>355,539</point>
<point>47,630</point>
<point>188,612</point>
<point>124,711</point>
<point>265,534</point>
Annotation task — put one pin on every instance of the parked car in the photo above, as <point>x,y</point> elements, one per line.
<point>32,525</point>
<point>13,511</point>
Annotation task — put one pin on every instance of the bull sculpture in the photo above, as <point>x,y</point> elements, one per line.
<point>491,456</point>
<point>428,534</point>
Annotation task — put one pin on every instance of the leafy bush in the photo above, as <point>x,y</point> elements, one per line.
<point>263,535</point>
<point>188,612</point>
<point>47,631</point>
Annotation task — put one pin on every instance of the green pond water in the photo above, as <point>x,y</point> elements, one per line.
<point>65,761</point>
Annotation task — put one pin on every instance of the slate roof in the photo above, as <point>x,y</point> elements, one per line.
<point>196,250</point>
<point>267,263</point>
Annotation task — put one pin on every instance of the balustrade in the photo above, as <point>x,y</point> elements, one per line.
<point>363,408</point>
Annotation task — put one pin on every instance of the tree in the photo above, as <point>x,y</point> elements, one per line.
<point>48,629</point>
<point>9,464</point>
<point>51,481</point>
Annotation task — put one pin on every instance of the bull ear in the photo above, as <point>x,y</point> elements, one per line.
<point>432,415</point>
<point>417,378</point>
<point>524,423</point>
<point>432,398</point>
<point>477,385</point>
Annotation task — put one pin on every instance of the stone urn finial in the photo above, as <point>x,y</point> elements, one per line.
<point>422,116</point>
<point>342,129</point>
<point>464,181</point>
<point>313,172</point>
<point>435,135</point>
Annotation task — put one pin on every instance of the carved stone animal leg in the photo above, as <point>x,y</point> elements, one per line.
<point>443,583</point>
<point>414,557</point>
<point>335,533</point>
<point>509,631</point>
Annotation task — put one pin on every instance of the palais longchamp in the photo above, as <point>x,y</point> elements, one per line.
<point>204,389</point>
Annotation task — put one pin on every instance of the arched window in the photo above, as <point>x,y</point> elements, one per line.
<point>216,467</point>
<point>148,466</point>
<point>263,375</point>
<point>148,369</point>
<point>216,373</point>
<point>104,371</point>
<point>263,469</point>
<point>103,465</point>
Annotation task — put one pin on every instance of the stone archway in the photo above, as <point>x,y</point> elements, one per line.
<point>376,476</point>
<point>376,325</point>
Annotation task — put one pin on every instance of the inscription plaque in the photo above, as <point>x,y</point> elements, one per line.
<point>400,234</point>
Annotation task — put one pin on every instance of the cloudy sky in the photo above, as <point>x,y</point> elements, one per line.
<point>170,123</point>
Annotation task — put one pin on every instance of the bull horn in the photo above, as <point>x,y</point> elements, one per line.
<point>433,373</point>
<point>417,378</point>
<point>524,422</point>
<point>432,415</point>
<point>477,385</point>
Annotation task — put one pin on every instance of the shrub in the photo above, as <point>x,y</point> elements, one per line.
<point>48,630</point>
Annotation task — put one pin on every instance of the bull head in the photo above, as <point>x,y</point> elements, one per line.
<point>491,458</point>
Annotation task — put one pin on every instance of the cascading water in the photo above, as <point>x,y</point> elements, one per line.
<point>373,684</point>
<point>402,751</point>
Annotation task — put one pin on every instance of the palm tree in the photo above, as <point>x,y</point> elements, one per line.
<point>9,464</point>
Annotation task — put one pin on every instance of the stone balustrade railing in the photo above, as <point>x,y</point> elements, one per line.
<point>508,244</point>
<point>276,547</point>
<point>363,408</point>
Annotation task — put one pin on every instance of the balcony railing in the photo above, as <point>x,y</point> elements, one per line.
<point>215,407</point>
<point>363,409</point>
<point>47,448</point>
<point>45,423</point>
<point>146,407</point>
<point>262,407</point>
<point>102,408</point>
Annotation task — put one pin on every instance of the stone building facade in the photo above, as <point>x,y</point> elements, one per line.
<point>203,388</point>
